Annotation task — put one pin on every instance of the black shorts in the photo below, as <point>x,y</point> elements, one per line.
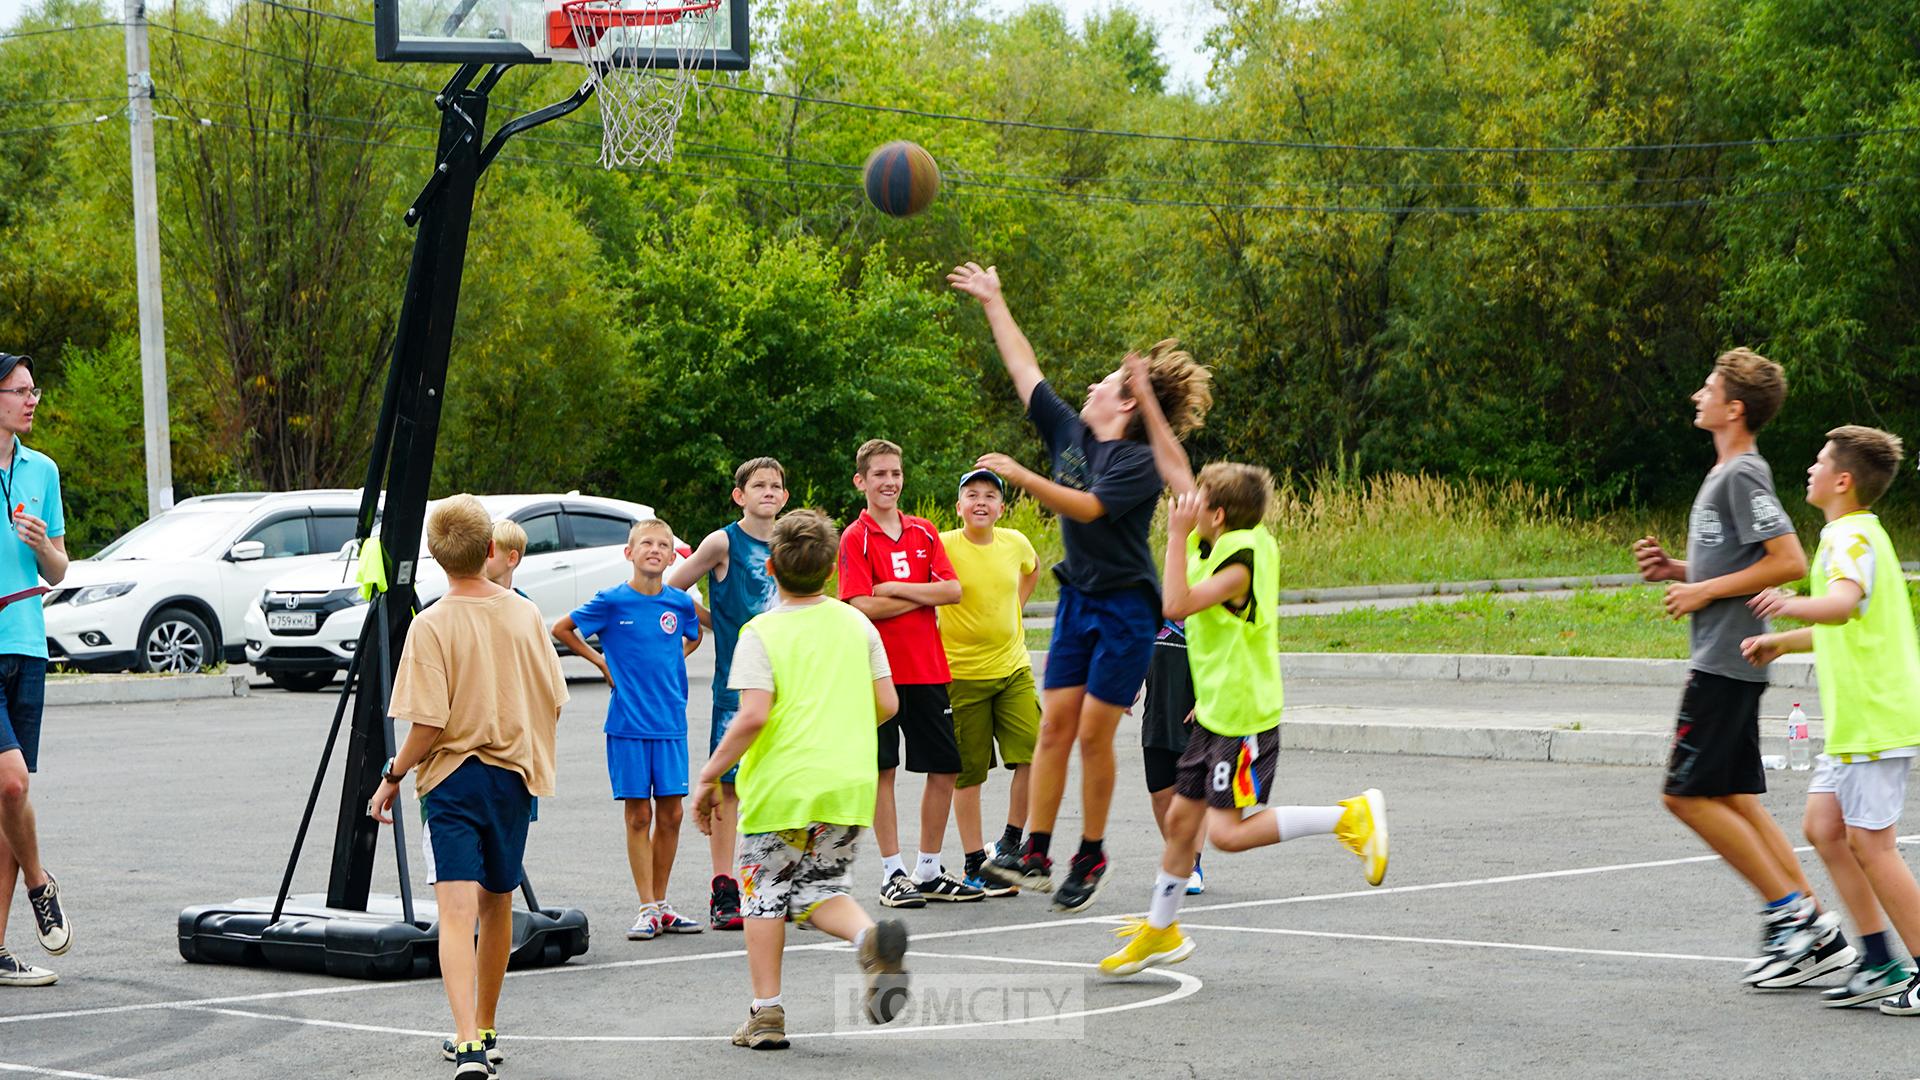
<point>1716,738</point>
<point>1162,767</point>
<point>926,719</point>
<point>1212,770</point>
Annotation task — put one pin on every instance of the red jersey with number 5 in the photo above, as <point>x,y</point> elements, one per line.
<point>868,556</point>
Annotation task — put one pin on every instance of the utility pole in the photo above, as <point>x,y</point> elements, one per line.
<point>146,251</point>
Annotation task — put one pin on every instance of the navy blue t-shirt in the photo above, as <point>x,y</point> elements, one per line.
<point>1109,553</point>
<point>641,637</point>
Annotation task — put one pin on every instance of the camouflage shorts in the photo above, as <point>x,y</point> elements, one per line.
<point>796,870</point>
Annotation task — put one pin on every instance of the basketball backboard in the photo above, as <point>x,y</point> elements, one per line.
<point>536,31</point>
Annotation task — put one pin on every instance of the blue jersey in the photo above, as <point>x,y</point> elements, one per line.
<point>746,591</point>
<point>641,636</point>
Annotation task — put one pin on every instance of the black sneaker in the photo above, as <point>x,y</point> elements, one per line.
<point>1791,934</point>
<point>723,912</point>
<point>1833,954</point>
<point>1906,1002</point>
<point>1866,984</point>
<point>470,1061</point>
<point>17,972</point>
<point>948,887</point>
<point>1024,870</point>
<point>489,1038</point>
<point>1082,884</point>
<point>899,892</point>
<point>49,921</point>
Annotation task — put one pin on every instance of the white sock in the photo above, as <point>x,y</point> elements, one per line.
<point>1168,891</point>
<point>927,868</point>
<point>1298,821</point>
<point>861,937</point>
<point>765,1003</point>
<point>889,866</point>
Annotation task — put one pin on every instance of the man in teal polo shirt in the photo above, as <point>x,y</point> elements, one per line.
<point>32,547</point>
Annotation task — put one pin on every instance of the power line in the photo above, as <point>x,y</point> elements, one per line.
<point>56,127</point>
<point>11,35</point>
<point>60,101</point>
<point>312,11</point>
<point>195,35</point>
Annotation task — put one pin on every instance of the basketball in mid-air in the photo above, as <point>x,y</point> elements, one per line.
<point>902,179</point>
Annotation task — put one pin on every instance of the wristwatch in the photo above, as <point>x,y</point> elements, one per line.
<point>387,773</point>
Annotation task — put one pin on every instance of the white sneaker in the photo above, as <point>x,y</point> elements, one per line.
<point>1196,881</point>
<point>646,925</point>
<point>16,972</point>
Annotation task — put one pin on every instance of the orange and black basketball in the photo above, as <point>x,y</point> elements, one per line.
<point>902,179</point>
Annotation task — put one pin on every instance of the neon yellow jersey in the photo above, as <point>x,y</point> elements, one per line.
<point>1235,656</point>
<point>1868,666</point>
<point>982,633</point>
<point>817,759</point>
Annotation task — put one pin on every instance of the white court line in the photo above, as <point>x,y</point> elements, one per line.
<point>1185,985</point>
<point>8,1066</point>
<point>367,987</point>
<point>1470,944</point>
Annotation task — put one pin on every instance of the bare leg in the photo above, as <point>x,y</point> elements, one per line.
<point>1017,795</point>
<point>1161,800</point>
<point>886,820</point>
<point>726,823</point>
<point>459,903</point>
<point>666,841</point>
<point>1828,834</point>
<point>495,948</point>
<point>1059,727</point>
<point>1186,824</point>
<point>766,941</point>
<point>966,816</point>
<point>1231,832</point>
<point>16,818</point>
<point>640,848</point>
<point>1731,834</point>
<point>1893,882</point>
<point>1774,838</point>
<point>1098,719</point>
<point>841,916</point>
<point>9,874</point>
<point>936,801</point>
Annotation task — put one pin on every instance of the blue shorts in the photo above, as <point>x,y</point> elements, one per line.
<point>473,826</point>
<point>23,693</point>
<point>722,719</point>
<point>1104,642</point>
<point>646,768</point>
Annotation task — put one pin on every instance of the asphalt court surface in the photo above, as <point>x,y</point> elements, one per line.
<point>1538,920</point>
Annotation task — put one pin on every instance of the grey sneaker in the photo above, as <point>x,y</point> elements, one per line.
<point>489,1038</point>
<point>883,957</point>
<point>15,972</point>
<point>764,1029</point>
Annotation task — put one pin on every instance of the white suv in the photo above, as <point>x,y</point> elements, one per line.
<point>304,628</point>
<point>172,594</point>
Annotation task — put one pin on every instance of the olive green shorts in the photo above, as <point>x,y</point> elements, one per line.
<point>988,711</point>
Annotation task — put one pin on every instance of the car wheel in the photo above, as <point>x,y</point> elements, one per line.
<point>301,682</point>
<point>176,642</point>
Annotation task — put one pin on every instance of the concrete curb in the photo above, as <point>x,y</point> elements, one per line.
<point>1556,745</point>
<point>66,690</point>
<point>1045,608</point>
<point>1792,673</point>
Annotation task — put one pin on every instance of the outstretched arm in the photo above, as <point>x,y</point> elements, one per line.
<point>1169,457</point>
<point>1015,351</point>
<point>1081,506</point>
<point>686,573</point>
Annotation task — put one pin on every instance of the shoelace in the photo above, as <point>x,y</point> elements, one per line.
<point>1133,927</point>
<point>43,905</point>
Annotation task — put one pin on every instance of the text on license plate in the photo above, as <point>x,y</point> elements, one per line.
<point>293,620</point>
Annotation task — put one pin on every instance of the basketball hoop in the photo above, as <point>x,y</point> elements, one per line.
<point>641,57</point>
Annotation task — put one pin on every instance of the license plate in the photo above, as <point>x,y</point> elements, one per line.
<point>293,620</point>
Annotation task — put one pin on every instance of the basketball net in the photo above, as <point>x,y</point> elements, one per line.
<point>625,45</point>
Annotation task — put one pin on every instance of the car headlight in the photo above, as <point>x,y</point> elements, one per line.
<point>349,594</point>
<point>93,594</point>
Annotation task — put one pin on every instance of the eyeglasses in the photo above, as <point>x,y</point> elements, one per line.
<point>26,393</point>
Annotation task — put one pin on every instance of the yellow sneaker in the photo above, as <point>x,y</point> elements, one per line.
<point>1363,828</point>
<point>1145,948</point>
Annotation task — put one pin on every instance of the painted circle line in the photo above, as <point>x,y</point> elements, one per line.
<point>1185,985</point>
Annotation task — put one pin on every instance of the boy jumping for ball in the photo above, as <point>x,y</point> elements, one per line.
<point>1104,488</point>
<point>646,631</point>
<point>1867,658</point>
<point>1222,578</point>
<point>739,586</point>
<point>814,687</point>
<point>1739,542</point>
<point>482,687</point>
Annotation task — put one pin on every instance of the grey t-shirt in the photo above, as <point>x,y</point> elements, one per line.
<point>1733,517</point>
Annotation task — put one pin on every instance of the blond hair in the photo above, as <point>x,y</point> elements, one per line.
<point>509,536</point>
<point>804,545</point>
<point>1755,382</point>
<point>1870,456</point>
<point>459,533</point>
<point>1181,385</point>
<point>1241,492</point>
<point>871,449</point>
<point>643,525</point>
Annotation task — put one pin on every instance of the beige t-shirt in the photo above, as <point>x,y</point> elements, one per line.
<point>482,670</point>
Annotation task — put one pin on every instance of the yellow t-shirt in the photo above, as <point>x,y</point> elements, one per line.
<point>982,633</point>
<point>482,670</point>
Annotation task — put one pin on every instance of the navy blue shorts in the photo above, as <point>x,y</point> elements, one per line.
<point>23,693</point>
<point>722,719</point>
<point>474,826</point>
<point>1104,642</point>
<point>646,768</point>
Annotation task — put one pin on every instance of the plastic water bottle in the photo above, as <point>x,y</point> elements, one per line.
<point>1799,742</point>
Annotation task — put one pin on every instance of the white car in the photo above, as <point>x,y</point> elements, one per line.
<point>306,625</point>
<point>172,594</point>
